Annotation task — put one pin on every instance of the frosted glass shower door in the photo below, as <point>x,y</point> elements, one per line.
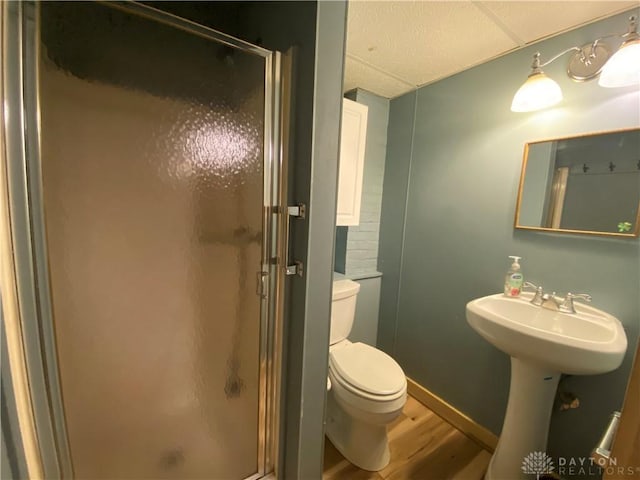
<point>153,172</point>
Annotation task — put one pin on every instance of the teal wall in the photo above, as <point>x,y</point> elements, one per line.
<point>452,170</point>
<point>393,216</point>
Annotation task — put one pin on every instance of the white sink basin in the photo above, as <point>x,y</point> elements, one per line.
<point>587,342</point>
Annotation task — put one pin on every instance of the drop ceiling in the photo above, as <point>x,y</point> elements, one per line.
<point>396,46</point>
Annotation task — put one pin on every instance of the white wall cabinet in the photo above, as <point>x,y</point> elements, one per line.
<point>352,146</point>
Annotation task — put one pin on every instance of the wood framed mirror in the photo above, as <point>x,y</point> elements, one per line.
<point>587,184</point>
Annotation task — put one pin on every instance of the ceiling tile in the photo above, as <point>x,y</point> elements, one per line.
<point>533,21</point>
<point>394,46</point>
<point>359,75</point>
<point>423,41</point>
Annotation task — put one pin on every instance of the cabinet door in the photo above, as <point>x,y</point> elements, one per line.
<point>352,146</point>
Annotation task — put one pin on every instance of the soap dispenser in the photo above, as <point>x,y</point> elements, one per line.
<point>514,279</point>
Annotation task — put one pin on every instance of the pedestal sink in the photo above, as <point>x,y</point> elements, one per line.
<point>542,344</point>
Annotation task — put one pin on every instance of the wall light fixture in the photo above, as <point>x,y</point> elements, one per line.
<point>587,62</point>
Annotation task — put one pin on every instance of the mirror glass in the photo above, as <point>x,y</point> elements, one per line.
<point>583,184</point>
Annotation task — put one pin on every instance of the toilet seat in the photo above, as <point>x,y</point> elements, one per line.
<point>367,372</point>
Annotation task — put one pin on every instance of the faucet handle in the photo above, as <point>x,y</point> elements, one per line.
<point>537,298</point>
<point>567,304</point>
<point>583,296</point>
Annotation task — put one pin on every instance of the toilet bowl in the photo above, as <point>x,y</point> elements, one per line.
<point>368,389</point>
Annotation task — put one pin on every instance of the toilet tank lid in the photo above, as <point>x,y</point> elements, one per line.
<point>344,288</point>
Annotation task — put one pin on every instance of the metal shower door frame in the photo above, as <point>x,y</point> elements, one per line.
<point>33,323</point>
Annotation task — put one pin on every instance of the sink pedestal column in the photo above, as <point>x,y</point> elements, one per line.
<point>526,423</point>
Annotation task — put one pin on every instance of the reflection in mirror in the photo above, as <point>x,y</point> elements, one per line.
<point>584,184</point>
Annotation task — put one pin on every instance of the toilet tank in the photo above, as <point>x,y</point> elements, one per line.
<point>343,309</point>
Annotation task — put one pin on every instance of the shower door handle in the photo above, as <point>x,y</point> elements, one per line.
<point>299,212</point>
<point>261,289</point>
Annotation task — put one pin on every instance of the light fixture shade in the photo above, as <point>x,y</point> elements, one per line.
<point>538,92</point>
<point>623,68</point>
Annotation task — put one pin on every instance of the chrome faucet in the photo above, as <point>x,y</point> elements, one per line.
<point>551,302</point>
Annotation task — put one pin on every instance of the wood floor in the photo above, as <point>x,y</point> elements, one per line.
<point>423,447</point>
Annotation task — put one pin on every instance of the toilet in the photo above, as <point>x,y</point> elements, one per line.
<point>367,388</point>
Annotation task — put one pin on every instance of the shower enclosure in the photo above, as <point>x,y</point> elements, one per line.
<point>144,173</point>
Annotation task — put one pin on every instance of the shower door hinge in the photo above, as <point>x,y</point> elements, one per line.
<point>296,269</point>
<point>297,211</point>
